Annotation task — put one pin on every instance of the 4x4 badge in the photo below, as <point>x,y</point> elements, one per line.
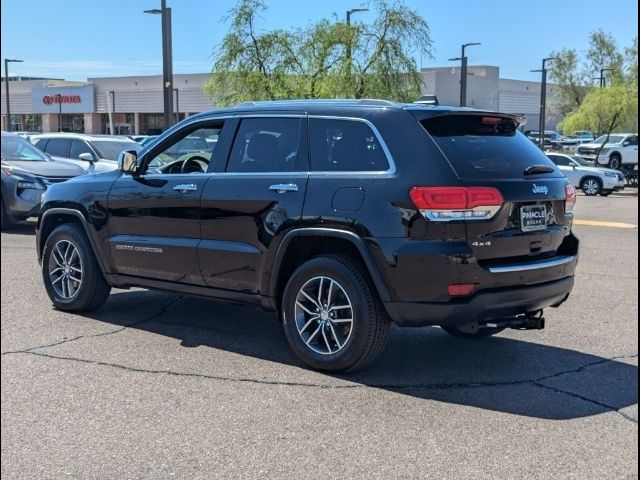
<point>540,189</point>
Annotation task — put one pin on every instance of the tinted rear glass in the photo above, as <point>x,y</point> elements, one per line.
<point>485,146</point>
<point>58,147</point>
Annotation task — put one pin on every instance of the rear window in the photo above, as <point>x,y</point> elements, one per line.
<point>485,146</point>
<point>58,147</point>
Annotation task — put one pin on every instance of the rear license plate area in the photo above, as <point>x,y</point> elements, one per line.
<point>533,218</point>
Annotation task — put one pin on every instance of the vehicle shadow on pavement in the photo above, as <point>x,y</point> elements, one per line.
<point>499,373</point>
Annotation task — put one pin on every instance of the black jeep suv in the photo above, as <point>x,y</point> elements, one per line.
<point>343,216</point>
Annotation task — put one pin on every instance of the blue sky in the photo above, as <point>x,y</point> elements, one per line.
<point>76,39</point>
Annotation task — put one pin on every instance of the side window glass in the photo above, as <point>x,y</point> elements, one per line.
<point>78,147</point>
<point>633,140</point>
<point>266,145</point>
<point>191,152</point>
<point>560,160</point>
<point>58,147</point>
<point>344,146</point>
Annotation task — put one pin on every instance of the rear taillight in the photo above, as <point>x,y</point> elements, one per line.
<point>570,199</point>
<point>445,204</point>
<point>461,289</point>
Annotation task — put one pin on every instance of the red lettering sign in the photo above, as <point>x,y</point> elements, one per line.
<point>51,99</point>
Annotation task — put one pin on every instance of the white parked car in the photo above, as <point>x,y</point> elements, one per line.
<point>583,175</point>
<point>620,152</point>
<point>94,153</point>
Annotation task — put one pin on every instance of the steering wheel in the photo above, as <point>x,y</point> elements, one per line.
<point>194,165</point>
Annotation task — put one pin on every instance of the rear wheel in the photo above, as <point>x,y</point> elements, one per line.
<point>591,186</point>
<point>331,315</point>
<point>471,330</point>
<point>71,274</point>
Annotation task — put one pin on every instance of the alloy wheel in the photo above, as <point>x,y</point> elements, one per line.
<point>324,315</point>
<point>65,269</point>
<point>591,187</point>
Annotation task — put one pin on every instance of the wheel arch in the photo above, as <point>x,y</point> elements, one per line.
<point>53,217</point>
<point>301,244</point>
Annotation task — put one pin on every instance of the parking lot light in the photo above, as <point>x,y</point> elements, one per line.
<point>7,61</point>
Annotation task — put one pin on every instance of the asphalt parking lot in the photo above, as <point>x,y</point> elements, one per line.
<point>161,386</point>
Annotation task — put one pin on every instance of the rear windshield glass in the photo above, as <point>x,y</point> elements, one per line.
<point>485,146</point>
<point>109,150</point>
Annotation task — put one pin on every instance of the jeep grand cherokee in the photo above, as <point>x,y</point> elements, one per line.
<point>342,216</point>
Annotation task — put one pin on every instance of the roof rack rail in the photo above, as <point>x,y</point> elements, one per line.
<point>337,101</point>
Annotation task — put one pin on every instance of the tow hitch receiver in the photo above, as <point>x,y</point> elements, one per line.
<point>528,321</point>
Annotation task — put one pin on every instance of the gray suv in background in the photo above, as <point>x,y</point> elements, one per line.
<point>98,153</point>
<point>26,175</point>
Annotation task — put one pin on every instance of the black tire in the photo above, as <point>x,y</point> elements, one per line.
<point>6,222</point>
<point>591,186</point>
<point>615,161</point>
<point>471,330</point>
<point>369,328</point>
<point>92,290</point>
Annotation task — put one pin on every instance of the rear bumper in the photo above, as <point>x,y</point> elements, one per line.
<point>483,306</point>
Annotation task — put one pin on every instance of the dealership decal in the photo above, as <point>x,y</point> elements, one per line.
<point>51,99</point>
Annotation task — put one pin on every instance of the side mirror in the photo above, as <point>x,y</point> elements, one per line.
<point>128,162</point>
<point>87,157</point>
<point>626,144</point>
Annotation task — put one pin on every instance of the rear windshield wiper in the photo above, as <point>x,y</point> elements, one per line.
<point>537,169</point>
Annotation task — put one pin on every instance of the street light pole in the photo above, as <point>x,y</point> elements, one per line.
<point>349,12</point>
<point>463,73</point>
<point>167,62</point>
<point>59,100</point>
<point>177,105</point>
<point>6,86</point>
<point>602,78</point>
<point>543,100</point>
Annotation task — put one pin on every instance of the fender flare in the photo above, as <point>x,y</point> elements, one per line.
<point>355,240</point>
<point>42,222</point>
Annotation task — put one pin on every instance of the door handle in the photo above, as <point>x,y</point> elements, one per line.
<point>284,187</point>
<point>186,187</point>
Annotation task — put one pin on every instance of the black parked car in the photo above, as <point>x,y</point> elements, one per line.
<point>26,174</point>
<point>343,216</point>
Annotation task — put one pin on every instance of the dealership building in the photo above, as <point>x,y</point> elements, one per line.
<point>135,104</point>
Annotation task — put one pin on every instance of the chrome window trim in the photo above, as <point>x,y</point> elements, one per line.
<point>522,267</point>
<point>392,165</point>
<point>241,115</point>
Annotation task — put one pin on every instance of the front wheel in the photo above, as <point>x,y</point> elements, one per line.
<point>71,274</point>
<point>332,318</point>
<point>615,161</point>
<point>7,221</point>
<point>591,186</point>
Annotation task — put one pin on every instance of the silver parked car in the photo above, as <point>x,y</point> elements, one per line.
<point>26,175</point>
<point>94,153</point>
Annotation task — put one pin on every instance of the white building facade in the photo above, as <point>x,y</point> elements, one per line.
<point>135,104</point>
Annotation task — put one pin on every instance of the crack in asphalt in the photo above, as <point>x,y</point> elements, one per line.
<point>155,316</point>
<point>393,387</point>
<point>587,399</point>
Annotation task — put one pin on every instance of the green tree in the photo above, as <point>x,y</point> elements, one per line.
<point>575,76</point>
<point>327,59</point>
<point>604,110</point>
